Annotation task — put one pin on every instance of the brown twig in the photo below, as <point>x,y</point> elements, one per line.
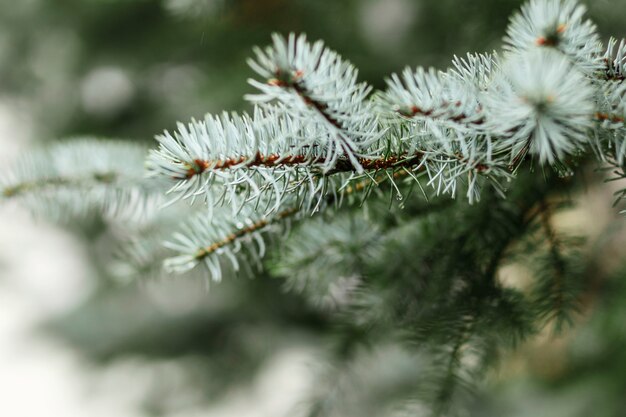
<point>198,166</point>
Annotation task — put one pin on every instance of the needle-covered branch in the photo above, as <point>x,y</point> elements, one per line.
<point>316,131</point>
<point>82,176</point>
<point>552,96</point>
<point>314,83</point>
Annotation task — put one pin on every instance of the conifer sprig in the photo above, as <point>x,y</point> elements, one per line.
<point>314,82</point>
<point>83,176</point>
<point>541,102</point>
<point>316,129</point>
<point>206,240</point>
<point>560,25</point>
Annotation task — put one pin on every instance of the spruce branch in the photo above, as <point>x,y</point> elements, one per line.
<point>541,102</point>
<point>432,95</point>
<point>317,135</point>
<point>558,25</point>
<point>340,246</point>
<point>41,184</point>
<point>451,380</point>
<point>313,81</point>
<point>267,157</point>
<point>206,238</point>
<point>249,157</point>
<point>473,124</point>
<point>249,229</point>
<point>556,293</point>
<point>555,255</point>
<point>80,177</point>
<point>316,131</point>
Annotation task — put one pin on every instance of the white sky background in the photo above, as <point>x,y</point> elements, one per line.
<point>43,272</point>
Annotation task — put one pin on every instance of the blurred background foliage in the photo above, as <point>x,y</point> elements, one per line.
<point>131,68</point>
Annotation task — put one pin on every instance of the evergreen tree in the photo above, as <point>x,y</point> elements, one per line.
<point>388,216</point>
